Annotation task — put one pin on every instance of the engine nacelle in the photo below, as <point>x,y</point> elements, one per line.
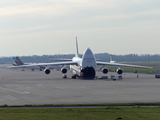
<point>119,71</point>
<point>64,70</point>
<point>105,70</point>
<point>47,71</point>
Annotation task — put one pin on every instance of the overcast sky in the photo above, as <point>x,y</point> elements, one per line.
<point>38,27</point>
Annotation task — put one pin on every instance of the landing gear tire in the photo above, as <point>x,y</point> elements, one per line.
<point>74,77</point>
<point>64,76</point>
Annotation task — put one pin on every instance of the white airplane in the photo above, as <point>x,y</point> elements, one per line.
<point>18,62</point>
<point>81,67</point>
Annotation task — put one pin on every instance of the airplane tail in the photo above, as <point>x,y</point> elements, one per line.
<point>17,61</point>
<point>77,53</point>
<point>111,56</point>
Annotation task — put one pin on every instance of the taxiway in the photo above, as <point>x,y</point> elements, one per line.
<point>35,87</point>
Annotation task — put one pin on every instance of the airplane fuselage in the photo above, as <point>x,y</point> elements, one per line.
<point>86,65</point>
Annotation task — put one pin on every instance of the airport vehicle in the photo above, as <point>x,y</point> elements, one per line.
<point>81,67</point>
<point>157,75</point>
<point>113,77</point>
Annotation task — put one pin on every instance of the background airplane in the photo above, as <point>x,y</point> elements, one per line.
<point>81,67</point>
<point>18,62</point>
<point>111,59</point>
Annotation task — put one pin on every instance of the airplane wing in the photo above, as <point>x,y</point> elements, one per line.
<point>60,59</point>
<point>45,64</point>
<point>119,64</point>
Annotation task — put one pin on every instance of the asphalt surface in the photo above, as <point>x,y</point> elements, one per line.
<point>35,87</point>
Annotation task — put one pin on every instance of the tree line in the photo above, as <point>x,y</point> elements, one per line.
<point>99,56</point>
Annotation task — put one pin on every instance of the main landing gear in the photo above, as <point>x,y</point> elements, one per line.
<point>74,77</point>
<point>64,76</point>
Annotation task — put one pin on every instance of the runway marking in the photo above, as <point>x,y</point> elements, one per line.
<point>39,84</point>
<point>9,97</point>
<point>24,92</point>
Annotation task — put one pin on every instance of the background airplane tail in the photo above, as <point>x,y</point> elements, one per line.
<point>111,57</point>
<point>17,61</point>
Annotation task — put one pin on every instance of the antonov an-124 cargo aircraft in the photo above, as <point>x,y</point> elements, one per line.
<point>81,67</point>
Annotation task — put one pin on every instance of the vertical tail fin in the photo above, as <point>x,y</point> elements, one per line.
<point>18,61</point>
<point>14,62</point>
<point>111,57</point>
<point>77,53</point>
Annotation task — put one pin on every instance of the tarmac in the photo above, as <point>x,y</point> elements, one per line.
<point>35,87</point>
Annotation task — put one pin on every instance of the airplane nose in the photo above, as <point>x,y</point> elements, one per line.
<point>88,59</point>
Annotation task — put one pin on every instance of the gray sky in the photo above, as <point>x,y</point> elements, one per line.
<point>38,27</point>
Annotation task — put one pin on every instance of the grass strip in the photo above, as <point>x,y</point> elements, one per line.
<point>109,113</point>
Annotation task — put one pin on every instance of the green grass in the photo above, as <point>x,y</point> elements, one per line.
<point>108,113</point>
<point>129,69</point>
<point>155,65</point>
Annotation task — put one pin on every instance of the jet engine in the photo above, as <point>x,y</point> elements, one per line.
<point>105,70</point>
<point>47,71</point>
<point>119,71</point>
<point>64,70</point>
